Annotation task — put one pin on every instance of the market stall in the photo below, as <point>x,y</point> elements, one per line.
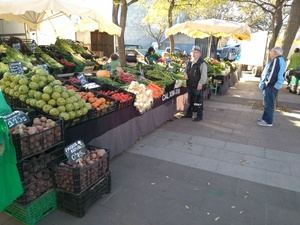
<point>66,111</point>
<point>73,113</point>
<point>222,74</point>
<point>89,14</point>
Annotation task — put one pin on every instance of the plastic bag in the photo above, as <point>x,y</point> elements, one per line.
<point>10,183</point>
<point>4,107</point>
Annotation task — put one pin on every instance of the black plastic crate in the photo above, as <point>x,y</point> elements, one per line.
<point>36,174</point>
<point>170,87</point>
<point>79,120</point>
<point>30,145</point>
<point>113,107</point>
<point>121,105</point>
<point>78,204</point>
<point>78,179</point>
<point>14,102</point>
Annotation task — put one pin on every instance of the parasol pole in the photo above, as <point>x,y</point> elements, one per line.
<point>25,30</point>
<point>209,46</point>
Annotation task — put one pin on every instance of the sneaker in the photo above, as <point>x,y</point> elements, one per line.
<point>197,119</point>
<point>264,124</point>
<point>260,120</point>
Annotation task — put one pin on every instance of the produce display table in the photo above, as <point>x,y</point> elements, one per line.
<point>119,130</point>
<point>225,82</point>
<point>233,78</point>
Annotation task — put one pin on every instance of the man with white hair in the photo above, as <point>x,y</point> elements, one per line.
<point>196,75</point>
<point>272,79</point>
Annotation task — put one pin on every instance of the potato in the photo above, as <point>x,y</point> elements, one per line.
<point>37,121</point>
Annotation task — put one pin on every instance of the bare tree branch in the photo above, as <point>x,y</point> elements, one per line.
<point>131,2</point>
<point>260,4</point>
<point>156,34</point>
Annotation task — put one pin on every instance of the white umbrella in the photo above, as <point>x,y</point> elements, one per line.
<point>34,12</point>
<point>211,27</point>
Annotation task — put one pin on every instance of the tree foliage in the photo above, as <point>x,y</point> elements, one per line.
<point>275,9</point>
<point>164,13</point>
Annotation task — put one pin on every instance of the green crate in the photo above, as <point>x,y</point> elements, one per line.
<point>294,81</point>
<point>34,211</point>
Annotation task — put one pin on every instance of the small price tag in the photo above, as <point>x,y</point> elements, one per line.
<point>32,46</point>
<point>82,78</point>
<point>75,151</point>
<point>16,68</point>
<point>91,86</point>
<point>15,118</point>
<point>16,46</point>
<point>88,69</point>
<point>44,67</point>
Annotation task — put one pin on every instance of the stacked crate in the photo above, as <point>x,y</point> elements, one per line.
<point>36,154</point>
<point>81,185</point>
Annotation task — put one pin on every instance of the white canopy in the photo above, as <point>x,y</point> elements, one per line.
<point>34,12</point>
<point>212,27</point>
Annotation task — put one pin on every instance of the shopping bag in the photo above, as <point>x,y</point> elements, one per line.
<point>10,183</point>
<point>4,107</point>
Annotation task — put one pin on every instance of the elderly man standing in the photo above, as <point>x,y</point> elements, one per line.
<point>272,80</point>
<point>196,75</point>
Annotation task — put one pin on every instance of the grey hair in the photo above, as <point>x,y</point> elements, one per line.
<point>277,50</point>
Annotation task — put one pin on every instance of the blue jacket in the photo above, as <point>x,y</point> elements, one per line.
<point>273,74</point>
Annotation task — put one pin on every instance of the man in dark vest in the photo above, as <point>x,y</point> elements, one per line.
<point>196,75</point>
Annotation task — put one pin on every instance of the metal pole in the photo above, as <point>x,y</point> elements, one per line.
<point>25,30</point>
<point>209,46</point>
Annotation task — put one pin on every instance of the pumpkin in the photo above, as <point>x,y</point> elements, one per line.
<point>103,73</point>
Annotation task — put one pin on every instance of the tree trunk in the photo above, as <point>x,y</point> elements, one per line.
<point>121,42</point>
<point>116,13</point>
<point>170,24</point>
<point>292,27</point>
<point>276,23</point>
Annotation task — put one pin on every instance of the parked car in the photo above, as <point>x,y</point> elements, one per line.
<point>176,50</point>
<point>131,53</point>
<point>230,53</point>
<point>134,53</point>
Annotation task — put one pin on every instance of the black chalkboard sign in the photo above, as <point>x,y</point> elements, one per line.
<point>16,68</point>
<point>17,46</point>
<point>82,78</point>
<point>75,151</point>
<point>15,118</point>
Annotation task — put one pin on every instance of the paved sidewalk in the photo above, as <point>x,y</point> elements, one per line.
<point>229,142</point>
<point>223,170</point>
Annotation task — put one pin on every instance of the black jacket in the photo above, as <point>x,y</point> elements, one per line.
<point>193,73</point>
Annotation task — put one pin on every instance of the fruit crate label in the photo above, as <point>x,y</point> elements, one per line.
<point>16,68</point>
<point>16,46</point>
<point>75,151</point>
<point>82,78</point>
<point>15,118</point>
<point>88,69</point>
<point>44,67</point>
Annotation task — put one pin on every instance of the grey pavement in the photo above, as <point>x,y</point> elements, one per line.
<point>223,170</point>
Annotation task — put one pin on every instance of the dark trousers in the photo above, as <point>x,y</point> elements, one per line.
<point>195,100</point>
<point>269,94</point>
